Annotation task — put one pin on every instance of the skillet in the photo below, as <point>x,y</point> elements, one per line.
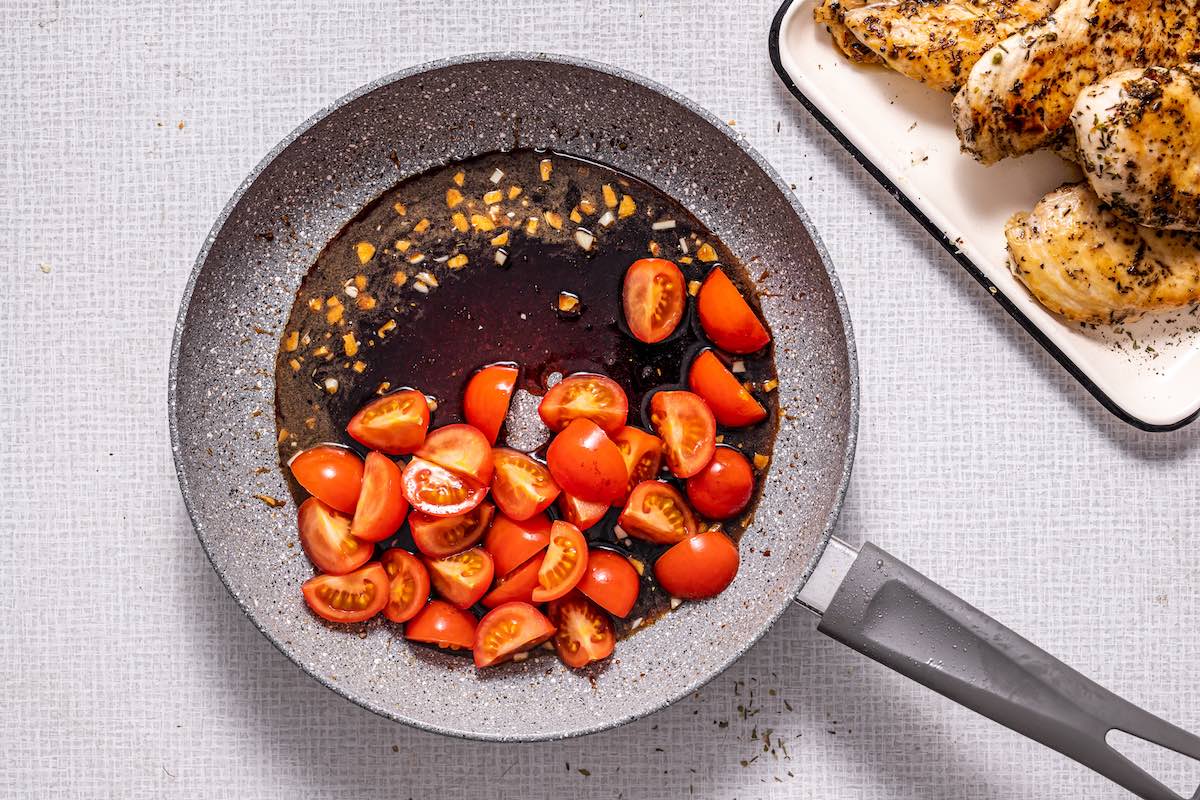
<point>221,394</point>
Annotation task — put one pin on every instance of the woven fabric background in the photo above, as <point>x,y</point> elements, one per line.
<point>126,669</point>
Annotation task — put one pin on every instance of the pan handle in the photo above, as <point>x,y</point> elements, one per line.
<point>890,612</point>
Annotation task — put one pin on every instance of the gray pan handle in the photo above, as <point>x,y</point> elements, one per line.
<point>890,612</point>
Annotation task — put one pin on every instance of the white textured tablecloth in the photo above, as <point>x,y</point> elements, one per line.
<point>127,671</point>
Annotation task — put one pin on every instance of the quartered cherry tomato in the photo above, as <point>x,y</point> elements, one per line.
<point>731,403</point>
<point>654,298</point>
<point>586,463</point>
<point>507,630</point>
<point>698,567</point>
<point>517,585</point>
<point>688,430</point>
<point>594,397</point>
<point>723,488</point>
<point>354,597</point>
<point>584,632</point>
<point>485,402</point>
<point>462,578</point>
<point>381,504</point>
<point>583,514</point>
<point>462,449</point>
<point>657,513</point>
<point>521,486</point>
<point>409,584</point>
<point>438,537</point>
<point>325,537</point>
<point>727,318</point>
<point>643,454</point>
<point>439,492</point>
<point>331,473</point>
<point>394,424</point>
<point>512,543</point>
<point>610,581</point>
<point>565,562</point>
<point>444,625</point>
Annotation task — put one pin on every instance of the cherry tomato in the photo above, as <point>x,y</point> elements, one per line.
<point>394,424</point>
<point>724,487</point>
<point>583,394</point>
<point>409,584</point>
<point>698,567</point>
<point>354,597</point>
<point>331,473</point>
<point>727,318</point>
<point>517,585</point>
<point>462,578</point>
<point>521,486</point>
<point>586,463</point>
<point>485,403</point>
<point>653,298</point>
<point>583,514</point>
<point>381,505</point>
<point>507,630</point>
<point>461,449</point>
<point>657,513</point>
<point>610,581</point>
<point>512,543</point>
<point>565,562</point>
<point>444,625</point>
<point>439,492</point>
<point>643,454</point>
<point>688,430</point>
<point>584,632</point>
<point>438,537</point>
<point>325,537</point>
<point>731,403</point>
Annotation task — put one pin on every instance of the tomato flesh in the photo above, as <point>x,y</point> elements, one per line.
<point>724,487</point>
<point>509,629</point>
<point>331,473</point>
<point>594,397</point>
<point>565,562</point>
<point>485,402</point>
<point>610,581</point>
<point>521,486</point>
<point>394,424</point>
<point>584,633</point>
<point>326,539</point>
<point>408,584</point>
<point>354,597</point>
<point>512,543</point>
<point>583,514</point>
<point>444,625</point>
<point>653,298</point>
<point>462,578</point>
<point>730,401</point>
<point>699,567</point>
<point>517,585</point>
<point>656,512</point>
<point>643,454</point>
<point>381,505</point>
<point>462,449</point>
<point>439,492</point>
<point>438,537</point>
<point>727,318</point>
<point>688,430</point>
<point>586,463</point>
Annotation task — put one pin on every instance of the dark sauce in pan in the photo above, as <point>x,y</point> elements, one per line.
<point>396,302</point>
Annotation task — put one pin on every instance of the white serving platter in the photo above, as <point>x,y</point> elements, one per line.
<point>1146,372</point>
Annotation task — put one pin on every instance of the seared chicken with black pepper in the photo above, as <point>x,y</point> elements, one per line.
<point>831,14</point>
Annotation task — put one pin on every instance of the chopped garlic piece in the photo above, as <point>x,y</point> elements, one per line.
<point>400,208</point>
<point>606,219</point>
<point>453,197</point>
<point>501,257</point>
<point>546,167</point>
<point>770,385</point>
<point>531,225</point>
<point>584,238</point>
<point>496,176</point>
<point>331,385</point>
<point>457,262</point>
<point>421,226</point>
<point>386,328</point>
<point>663,225</point>
<point>500,240</point>
<point>365,251</point>
<point>610,197</point>
<point>402,245</point>
<point>459,177</point>
<point>761,461</point>
<point>514,192</point>
<point>706,252</point>
<point>738,367</point>
<point>627,207</point>
<point>481,223</point>
<point>694,288</point>
<point>587,206</point>
<point>576,217</point>
<point>291,342</point>
<point>428,278</point>
<point>493,197</point>
<point>553,219</point>
<point>359,367</point>
<point>460,222</point>
<point>350,345</point>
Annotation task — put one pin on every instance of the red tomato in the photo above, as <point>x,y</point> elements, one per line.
<point>331,473</point>
<point>698,567</point>
<point>688,430</point>
<point>409,584</point>
<point>521,486</point>
<point>444,625</point>
<point>439,492</point>
<point>724,487</point>
<point>513,543</point>
<point>657,513</point>
<point>354,597</point>
<point>438,537</point>
<point>731,403</point>
<point>507,630</point>
<point>565,562</point>
<point>583,514</point>
<point>462,578</point>
<point>583,394</point>
<point>485,403</point>
<point>394,424</point>
<point>653,298</point>
<point>586,463</point>
<point>381,505</point>
<point>727,318</point>
<point>325,537</point>
<point>517,585</point>
<point>461,449</point>
<point>610,581</point>
<point>584,632</point>
<point>642,453</point>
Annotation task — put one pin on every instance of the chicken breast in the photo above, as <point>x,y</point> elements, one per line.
<point>1138,133</point>
<point>1082,261</point>
<point>937,41</point>
<point>1019,96</point>
<point>831,14</point>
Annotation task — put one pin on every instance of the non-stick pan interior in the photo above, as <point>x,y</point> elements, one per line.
<point>222,389</point>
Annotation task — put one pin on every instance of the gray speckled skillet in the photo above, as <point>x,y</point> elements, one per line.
<point>222,392</point>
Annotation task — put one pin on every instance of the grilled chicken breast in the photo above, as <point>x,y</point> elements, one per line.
<point>1138,133</point>
<point>1019,96</point>
<point>1082,261</point>
<point>831,14</point>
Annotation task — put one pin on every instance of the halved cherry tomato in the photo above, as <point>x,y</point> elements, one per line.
<point>394,424</point>
<point>461,449</point>
<point>517,585</point>
<point>485,402</point>
<point>462,578</point>
<point>409,584</point>
<point>688,430</point>
<point>653,298</point>
<point>444,625</point>
<point>325,537</point>
<point>381,505</point>
<point>521,486</point>
<point>565,562</point>
<point>331,473</point>
<point>438,537</point>
<point>657,513</point>
<point>584,632</point>
<point>594,397</point>
<point>512,543</point>
<point>698,567</point>
<point>610,581</point>
<point>353,597</point>
<point>727,318</point>
<point>586,463</point>
<point>583,514</point>
<point>724,487</point>
<point>643,453</point>
<point>507,630</point>
<point>731,403</point>
<point>439,492</point>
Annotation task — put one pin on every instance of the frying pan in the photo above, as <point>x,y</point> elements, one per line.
<point>222,391</point>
